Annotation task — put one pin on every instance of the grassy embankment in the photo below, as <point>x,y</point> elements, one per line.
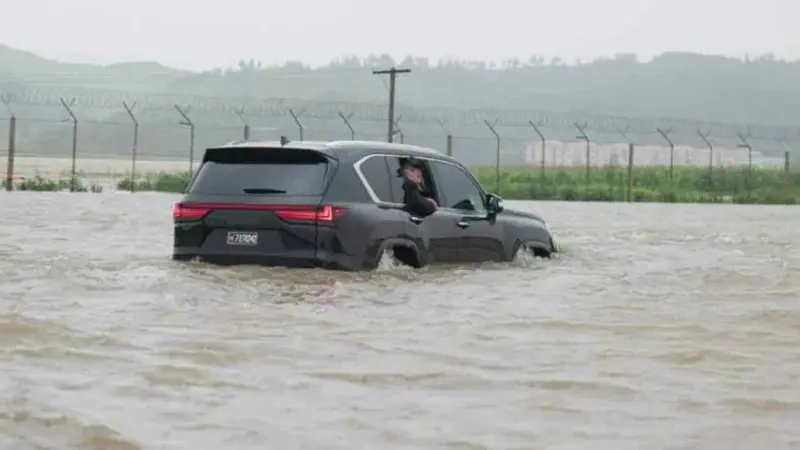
<point>650,184</point>
<point>41,184</point>
<point>690,184</point>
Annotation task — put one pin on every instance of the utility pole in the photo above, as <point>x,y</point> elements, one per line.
<point>392,78</point>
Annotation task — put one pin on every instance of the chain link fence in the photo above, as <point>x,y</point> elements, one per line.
<point>69,145</point>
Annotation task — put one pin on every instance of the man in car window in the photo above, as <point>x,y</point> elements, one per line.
<point>418,201</point>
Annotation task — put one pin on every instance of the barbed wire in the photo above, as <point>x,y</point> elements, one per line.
<point>106,99</point>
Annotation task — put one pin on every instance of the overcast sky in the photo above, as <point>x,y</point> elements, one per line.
<point>203,34</point>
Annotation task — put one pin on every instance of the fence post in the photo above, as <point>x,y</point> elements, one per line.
<point>704,137</point>
<point>629,194</point>
<point>746,144</point>
<point>449,142</point>
<point>665,135</point>
<point>541,137</point>
<point>582,136</point>
<point>12,143</point>
<point>12,136</point>
<point>631,146</point>
<point>184,112</point>
<point>299,124</point>
<point>129,110</point>
<point>497,154</point>
<point>787,170</point>
<point>449,145</point>
<point>73,173</point>
<point>346,120</point>
<point>240,112</point>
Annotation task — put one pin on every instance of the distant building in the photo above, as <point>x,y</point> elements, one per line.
<point>574,154</point>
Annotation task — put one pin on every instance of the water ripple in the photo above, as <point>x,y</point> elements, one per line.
<point>657,326</point>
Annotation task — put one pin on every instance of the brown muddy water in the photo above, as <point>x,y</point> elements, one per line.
<point>657,327</point>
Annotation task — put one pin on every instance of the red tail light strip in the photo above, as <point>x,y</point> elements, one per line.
<point>196,211</point>
<point>326,214</point>
<point>189,212</point>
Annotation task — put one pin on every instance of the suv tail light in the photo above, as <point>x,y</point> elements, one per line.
<point>296,213</point>
<point>325,214</point>
<point>182,211</point>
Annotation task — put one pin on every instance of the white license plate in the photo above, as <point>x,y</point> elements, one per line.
<point>242,238</point>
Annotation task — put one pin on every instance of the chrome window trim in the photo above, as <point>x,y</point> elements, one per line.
<point>374,196</point>
<point>364,182</point>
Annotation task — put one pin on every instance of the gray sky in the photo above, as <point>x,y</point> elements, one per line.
<point>203,34</point>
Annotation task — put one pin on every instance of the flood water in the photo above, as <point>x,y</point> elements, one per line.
<point>657,327</point>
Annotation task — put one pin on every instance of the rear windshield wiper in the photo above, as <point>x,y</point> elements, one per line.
<point>263,191</point>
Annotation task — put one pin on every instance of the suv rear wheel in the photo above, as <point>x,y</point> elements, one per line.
<point>403,254</point>
<point>406,255</point>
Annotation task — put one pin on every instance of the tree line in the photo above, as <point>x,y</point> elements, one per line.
<point>691,87</point>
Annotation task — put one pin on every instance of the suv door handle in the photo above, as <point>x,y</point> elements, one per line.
<point>417,220</point>
<point>463,224</point>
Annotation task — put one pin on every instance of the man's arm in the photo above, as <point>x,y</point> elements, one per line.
<point>416,203</point>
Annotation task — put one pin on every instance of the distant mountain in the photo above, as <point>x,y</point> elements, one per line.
<point>687,86</point>
<point>33,70</point>
<point>692,90</point>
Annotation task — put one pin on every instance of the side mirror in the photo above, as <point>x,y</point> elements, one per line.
<point>494,204</point>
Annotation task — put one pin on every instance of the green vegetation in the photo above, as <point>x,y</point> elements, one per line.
<point>158,182</point>
<point>650,184</point>
<point>40,184</point>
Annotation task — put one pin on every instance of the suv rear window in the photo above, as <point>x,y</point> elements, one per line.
<point>237,171</point>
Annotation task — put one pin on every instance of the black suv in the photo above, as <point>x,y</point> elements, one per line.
<point>338,205</point>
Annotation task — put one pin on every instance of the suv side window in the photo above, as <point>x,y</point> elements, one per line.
<point>457,189</point>
<point>376,173</point>
<point>397,181</point>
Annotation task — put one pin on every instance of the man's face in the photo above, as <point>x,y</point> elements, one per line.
<point>414,174</point>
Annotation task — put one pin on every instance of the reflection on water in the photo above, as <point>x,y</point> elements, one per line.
<point>656,326</point>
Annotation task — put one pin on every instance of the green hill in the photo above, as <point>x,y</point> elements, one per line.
<point>681,91</point>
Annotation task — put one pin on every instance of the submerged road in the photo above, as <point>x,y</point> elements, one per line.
<point>657,327</point>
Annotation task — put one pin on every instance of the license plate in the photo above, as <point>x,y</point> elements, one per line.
<point>242,238</point>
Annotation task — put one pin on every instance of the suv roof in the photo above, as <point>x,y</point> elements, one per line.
<point>335,148</point>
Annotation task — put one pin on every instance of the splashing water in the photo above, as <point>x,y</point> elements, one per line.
<point>389,262</point>
<point>525,257</point>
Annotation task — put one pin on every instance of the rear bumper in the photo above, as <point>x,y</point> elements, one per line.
<point>299,260</point>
